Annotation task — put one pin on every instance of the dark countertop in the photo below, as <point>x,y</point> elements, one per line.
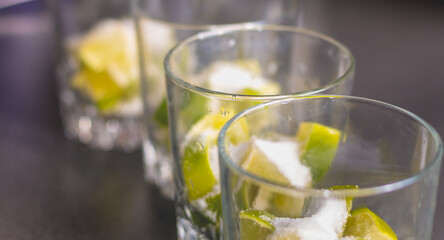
<point>54,188</point>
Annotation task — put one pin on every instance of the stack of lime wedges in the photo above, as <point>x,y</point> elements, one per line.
<point>108,71</point>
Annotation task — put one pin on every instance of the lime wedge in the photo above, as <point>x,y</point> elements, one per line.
<point>318,145</point>
<point>198,159</point>
<point>246,194</point>
<point>200,166</point>
<point>258,163</point>
<point>109,43</point>
<point>255,224</point>
<point>198,175</point>
<point>286,206</point>
<point>161,114</point>
<point>279,204</point>
<point>108,71</point>
<point>100,87</point>
<point>363,223</point>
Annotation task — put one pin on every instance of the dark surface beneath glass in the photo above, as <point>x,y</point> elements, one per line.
<point>55,188</point>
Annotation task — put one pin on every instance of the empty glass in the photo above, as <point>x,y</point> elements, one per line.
<point>214,75</point>
<point>328,167</point>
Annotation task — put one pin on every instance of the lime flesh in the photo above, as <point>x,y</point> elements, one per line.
<point>318,145</point>
<point>197,172</point>
<point>365,224</point>
<point>257,162</point>
<point>102,89</point>
<point>197,157</point>
<point>255,224</point>
<point>108,71</point>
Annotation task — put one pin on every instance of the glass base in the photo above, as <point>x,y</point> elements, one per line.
<point>158,169</point>
<point>84,123</point>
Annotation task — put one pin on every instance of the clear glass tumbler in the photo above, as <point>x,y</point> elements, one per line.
<point>214,75</point>
<point>98,73</point>
<point>328,167</point>
<point>162,24</point>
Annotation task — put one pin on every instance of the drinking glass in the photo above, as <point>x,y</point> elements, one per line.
<point>163,23</point>
<point>362,169</point>
<point>98,73</point>
<point>214,75</point>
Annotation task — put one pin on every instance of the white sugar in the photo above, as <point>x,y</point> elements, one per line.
<point>300,228</point>
<point>226,77</point>
<point>333,213</point>
<point>327,224</point>
<point>285,155</point>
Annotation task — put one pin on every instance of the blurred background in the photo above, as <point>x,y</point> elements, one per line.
<point>54,188</point>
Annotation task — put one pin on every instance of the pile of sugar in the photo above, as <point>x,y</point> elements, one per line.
<point>327,224</point>
<point>285,155</point>
<point>226,77</point>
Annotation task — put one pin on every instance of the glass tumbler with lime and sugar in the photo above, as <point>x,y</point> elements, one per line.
<point>328,167</point>
<point>98,73</point>
<point>214,75</point>
<point>161,24</point>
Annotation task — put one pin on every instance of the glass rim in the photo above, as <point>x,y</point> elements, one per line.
<point>193,26</point>
<point>198,27</point>
<point>361,192</point>
<point>256,27</point>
